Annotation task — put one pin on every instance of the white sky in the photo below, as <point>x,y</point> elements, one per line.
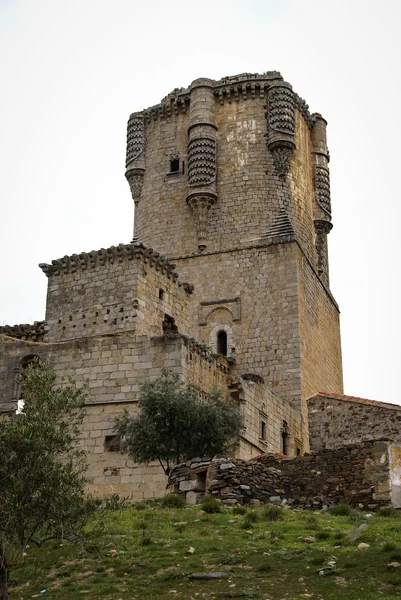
<point>72,72</point>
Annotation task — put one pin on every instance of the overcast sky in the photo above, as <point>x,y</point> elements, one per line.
<point>72,72</point>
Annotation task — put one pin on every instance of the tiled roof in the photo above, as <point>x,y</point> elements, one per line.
<point>357,400</point>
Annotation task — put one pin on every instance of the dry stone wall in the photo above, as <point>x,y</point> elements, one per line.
<point>358,475</point>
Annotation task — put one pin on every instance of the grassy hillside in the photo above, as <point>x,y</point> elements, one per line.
<point>268,553</point>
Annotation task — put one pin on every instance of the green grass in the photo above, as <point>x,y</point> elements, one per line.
<point>144,555</point>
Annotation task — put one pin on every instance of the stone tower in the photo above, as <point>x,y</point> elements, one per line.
<point>230,181</point>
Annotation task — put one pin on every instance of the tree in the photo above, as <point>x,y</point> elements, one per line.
<point>41,467</point>
<point>174,425</point>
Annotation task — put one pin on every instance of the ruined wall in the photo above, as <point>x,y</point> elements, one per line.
<point>266,417</point>
<point>336,420</point>
<point>358,475</point>
<point>123,288</point>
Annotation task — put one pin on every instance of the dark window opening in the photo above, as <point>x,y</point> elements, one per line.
<point>298,451</point>
<point>161,294</point>
<point>183,167</point>
<point>174,165</point>
<point>222,343</point>
<point>112,443</point>
<point>263,430</point>
<point>285,439</point>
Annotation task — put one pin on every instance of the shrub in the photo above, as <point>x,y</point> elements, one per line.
<point>173,501</point>
<point>210,505</point>
<point>322,535</point>
<point>273,513</point>
<point>340,510</point>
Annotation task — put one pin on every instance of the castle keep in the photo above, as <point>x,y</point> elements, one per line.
<point>226,280</point>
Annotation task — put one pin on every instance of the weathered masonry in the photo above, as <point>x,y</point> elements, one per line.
<point>226,280</point>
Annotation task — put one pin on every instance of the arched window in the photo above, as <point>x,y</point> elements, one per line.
<point>222,342</point>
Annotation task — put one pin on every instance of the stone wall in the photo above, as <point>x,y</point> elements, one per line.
<point>358,475</point>
<point>267,417</point>
<point>112,368</point>
<point>336,420</point>
<point>120,289</point>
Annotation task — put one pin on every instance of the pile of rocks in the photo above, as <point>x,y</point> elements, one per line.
<point>357,474</point>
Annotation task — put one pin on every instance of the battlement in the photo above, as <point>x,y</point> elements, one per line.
<point>26,332</point>
<point>123,288</point>
<point>230,88</point>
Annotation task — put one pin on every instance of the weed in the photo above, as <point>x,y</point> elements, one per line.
<point>210,505</point>
<point>252,516</point>
<point>272,513</point>
<point>264,568</point>
<point>340,510</point>
<point>172,501</point>
<point>322,535</point>
<point>389,547</point>
<point>240,510</point>
<point>389,512</point>
<point>312,522</point>
<point>140,505</point>
<point>114,502</point>
<point>230,559</point>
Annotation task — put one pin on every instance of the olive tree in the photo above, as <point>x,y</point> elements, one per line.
<point>41,467</point>
<point>173,424</point>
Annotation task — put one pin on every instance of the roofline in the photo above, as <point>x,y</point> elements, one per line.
<point>356,400</point>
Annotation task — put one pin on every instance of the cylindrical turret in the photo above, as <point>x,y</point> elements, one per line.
<point>201,155</point>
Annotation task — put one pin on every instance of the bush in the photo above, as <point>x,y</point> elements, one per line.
<point>340,510</point>
<point>173,501</point>
<point>273,513</point>
<point>210,505</point>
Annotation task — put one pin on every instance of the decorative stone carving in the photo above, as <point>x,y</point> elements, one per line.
<point>135,179</point>
<point>201,161</point>
<point>200,205</point>
<point>281,126</point>
<point>322,184</point>
<point>135,138</point>
<point>322,228</point>
<point>282,155</point>
<point>281,109</point>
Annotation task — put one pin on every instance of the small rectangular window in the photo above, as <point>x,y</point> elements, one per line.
<point>112,443</point>
<point>174,165</point>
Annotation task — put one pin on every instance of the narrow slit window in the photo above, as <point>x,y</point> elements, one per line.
<point>263,430</point>
<point>161,294</point>
<point>222,343</point>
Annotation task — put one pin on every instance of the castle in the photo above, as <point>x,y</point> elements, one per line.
<point>226,281</point>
